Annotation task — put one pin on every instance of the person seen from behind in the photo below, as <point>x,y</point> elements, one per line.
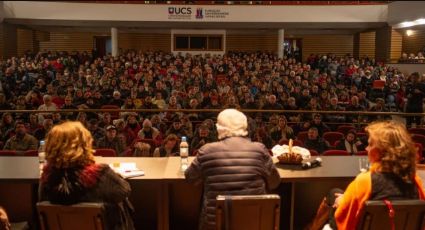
<point>71,175</point>
<point>234,165</point>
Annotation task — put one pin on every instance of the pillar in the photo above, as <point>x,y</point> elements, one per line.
<point>114,41</point>
<point>280,40</point>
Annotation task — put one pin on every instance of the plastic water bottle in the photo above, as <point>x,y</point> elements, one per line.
<point>184,154</point>
<point>41,155</point>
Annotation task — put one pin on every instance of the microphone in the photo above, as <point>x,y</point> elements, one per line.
<point>312,164</point>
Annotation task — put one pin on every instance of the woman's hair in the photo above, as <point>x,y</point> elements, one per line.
<point>69,145</point>
<point>170,137</point>
<point>397,150</point>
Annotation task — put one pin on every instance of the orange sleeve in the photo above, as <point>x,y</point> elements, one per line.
<point>420,187</point>
<point>356,194</point>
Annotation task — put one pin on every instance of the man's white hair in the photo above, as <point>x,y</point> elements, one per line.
<point>231,123</point>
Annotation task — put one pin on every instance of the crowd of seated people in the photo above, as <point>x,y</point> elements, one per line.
<point>412,58</point>
<point>53,81</point>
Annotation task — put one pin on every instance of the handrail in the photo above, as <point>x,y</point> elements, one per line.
<point>216,110</point>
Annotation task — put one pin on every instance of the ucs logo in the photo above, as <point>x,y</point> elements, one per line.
<point>179,10</point>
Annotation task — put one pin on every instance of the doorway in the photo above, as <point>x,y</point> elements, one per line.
<point>293,48</point>
<point>102,46</point>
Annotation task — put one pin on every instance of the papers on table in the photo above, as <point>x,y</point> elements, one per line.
<point>127,169</point>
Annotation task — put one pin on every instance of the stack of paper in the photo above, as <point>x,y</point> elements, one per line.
<point>127,169</point>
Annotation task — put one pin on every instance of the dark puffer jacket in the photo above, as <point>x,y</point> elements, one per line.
<point>233,166</point>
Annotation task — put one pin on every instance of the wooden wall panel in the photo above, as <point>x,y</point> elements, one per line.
<point>396,46</point>
<point>144,42</point>
<point>68,41</point>
<point>367,44</point>
<point>25,41</point>
<point>251,42</point>
<point>339,45</point>
<point>383,44</point>
<point>10,40</point>
<point>1,41</point>
<point>415,42</point>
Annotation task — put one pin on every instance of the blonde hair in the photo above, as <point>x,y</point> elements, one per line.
<point>396,147</point>
<point>69,145</point>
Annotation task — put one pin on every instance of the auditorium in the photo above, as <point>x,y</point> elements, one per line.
<point>212,115</point>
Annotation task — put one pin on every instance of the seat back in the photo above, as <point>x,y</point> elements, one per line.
<point>114,114</point>
<point>416,131</point>
<point>87,216</point>
<point>361,153</point>
<point>105,152</point>
<point>378,84</point>
<point>8,153</point>
<point>409,215</point>
<point>335,152</point>
<point>345,128</point>
<point>248,212</point>
<point>333,137</point>
<point>31,153</point>
<point>302,136</point>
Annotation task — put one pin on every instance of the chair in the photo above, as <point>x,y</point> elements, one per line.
<point>248,212</point>
<point>361,153</point>
<point>409,215</point>
<point>378,84</point>
<point>335,152</point>
<point>31,153</point>
<point>115,114</point>
<point>105,152</point>
<point>418,138</point>
<point>345,128</point>
<point>302,136</point>
<point>87,216</point>
<point>416,131</point>
<point>313,152</point>
<point>8,153</point>
<point>294,143</point>
<point>332,137</point>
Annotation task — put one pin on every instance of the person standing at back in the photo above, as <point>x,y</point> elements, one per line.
<point>232,166</point>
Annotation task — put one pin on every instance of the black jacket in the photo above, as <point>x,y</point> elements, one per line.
<point>232,166</point>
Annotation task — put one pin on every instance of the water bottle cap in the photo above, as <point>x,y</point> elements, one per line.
<point>183,138</point>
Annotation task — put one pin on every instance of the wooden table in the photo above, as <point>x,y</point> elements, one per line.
<point>164,200</point>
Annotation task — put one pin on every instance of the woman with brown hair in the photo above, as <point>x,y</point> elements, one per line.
<point>392,174</point>
<point>169,147</point>
<point>72,176</point>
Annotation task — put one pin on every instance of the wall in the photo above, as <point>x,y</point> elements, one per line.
<point>9,40</point>
<point>144,42</point>
<point>383,44</point>
<point>68,41</point>
<point>396,46</point>
<point>414,42</point>
<point>25,40</point>
<point>367,44</point>
<point>251,42</point>
<point>322,44</point>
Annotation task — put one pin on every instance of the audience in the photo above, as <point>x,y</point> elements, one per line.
<point>21,141</point>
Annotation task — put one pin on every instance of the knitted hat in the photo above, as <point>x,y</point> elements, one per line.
<point>231,123</point>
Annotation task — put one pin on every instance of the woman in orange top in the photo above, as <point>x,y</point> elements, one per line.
<point>392,175</point>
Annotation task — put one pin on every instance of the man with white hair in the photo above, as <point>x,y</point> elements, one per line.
<point>232,166</point>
